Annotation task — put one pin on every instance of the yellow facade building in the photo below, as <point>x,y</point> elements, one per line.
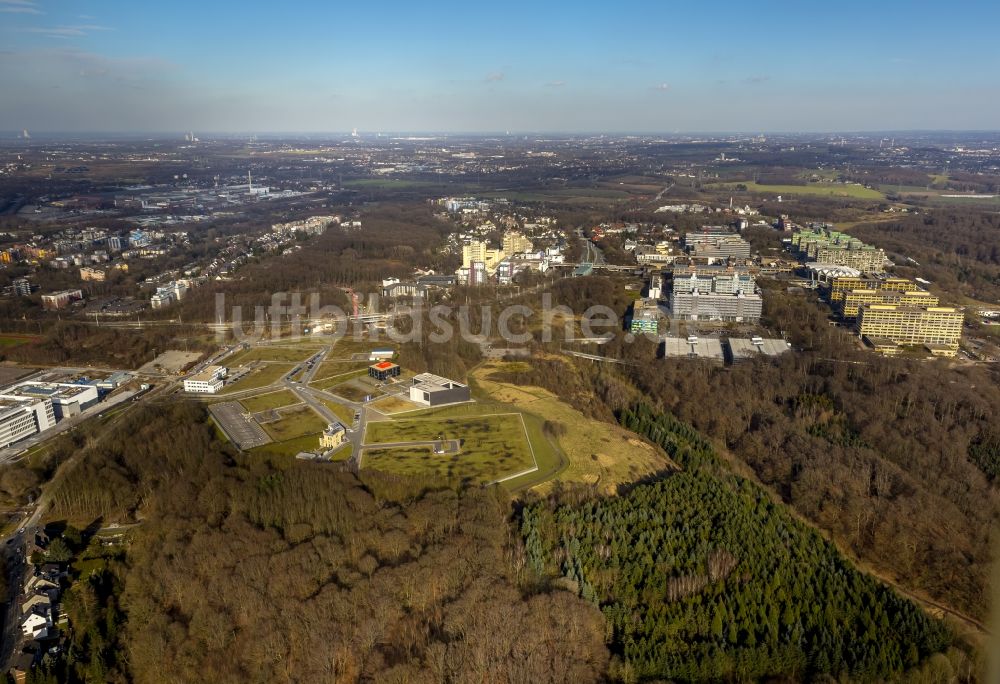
<point>938,327</point>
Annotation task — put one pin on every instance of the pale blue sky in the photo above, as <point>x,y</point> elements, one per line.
<point>79,65</point>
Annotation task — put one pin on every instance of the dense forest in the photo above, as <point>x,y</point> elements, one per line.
<point>702,578</point>
<point>249,571</point>
<point>959,251</point>
<point>896,458</point>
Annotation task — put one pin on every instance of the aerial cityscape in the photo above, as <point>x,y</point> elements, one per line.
<point>538,345</point>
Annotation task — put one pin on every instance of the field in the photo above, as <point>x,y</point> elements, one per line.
<point>259,377</point>
<point>283,354</point>
<point>295,423</point>
<point>391,405</point>
<point>350,391</point>
<point>819,189</point>
<point>599,454</point>
<point>332,372</point>
<point>270,400</point>
<point>492,446</point>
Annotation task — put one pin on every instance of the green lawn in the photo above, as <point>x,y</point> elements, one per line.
<point>270,400</point>
<point>259,377</point>
<point>15,340</point>
<point>283,354</point>
<point>820,189</point>
<point>295,423</point>
<point>491,446</point>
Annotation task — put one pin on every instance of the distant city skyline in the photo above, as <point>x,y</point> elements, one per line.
<point>120,67</point>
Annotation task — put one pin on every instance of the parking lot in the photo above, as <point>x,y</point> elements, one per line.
<point>244,433</point>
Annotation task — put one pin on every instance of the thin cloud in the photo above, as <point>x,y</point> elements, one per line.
<point>75,31</point>
<point>662,87</point>
<point>758,79</point>
<point>19,7</point>
<point>494,77</point>
<point>555,84</point>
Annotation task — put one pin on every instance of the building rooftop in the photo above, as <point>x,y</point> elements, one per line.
<point>48,390</point>
<point>741,348</point>
<point>383,365</point>
<point>693,347</point>
<point>430,382</point>
<point>206,375</point>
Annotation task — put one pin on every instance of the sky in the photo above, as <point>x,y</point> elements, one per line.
<point>615,67</point>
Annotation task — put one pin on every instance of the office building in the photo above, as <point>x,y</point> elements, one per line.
<point>67,399</point>
<point>848,306</point>
<point>208,381</point>
<point>720,250</point>
<point>23,416</point>
<point>433,390</point>
<point>383,370</point>
<point>883,325</point>
<point>706,234</point>
<point>840,285</point>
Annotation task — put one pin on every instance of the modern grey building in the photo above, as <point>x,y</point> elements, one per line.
<point>433,390</point>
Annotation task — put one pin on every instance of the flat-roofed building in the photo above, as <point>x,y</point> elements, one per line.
<point>94,274</point>
<point>848,306</point>
<point>706,234</point>
<point>741,307</point>
<point>841,285</point>
<point>515,242</point>
<point>645,317</point>
<point>68,399</point>
<point>433,390</point>
<point>911,325</point>
<point>23,416</point>
<point>828,246</point>
<point>709,279</point>
<point>383,370</point>
<point>208,381</point>
<point>693,347</point>
<point>741,349</point>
